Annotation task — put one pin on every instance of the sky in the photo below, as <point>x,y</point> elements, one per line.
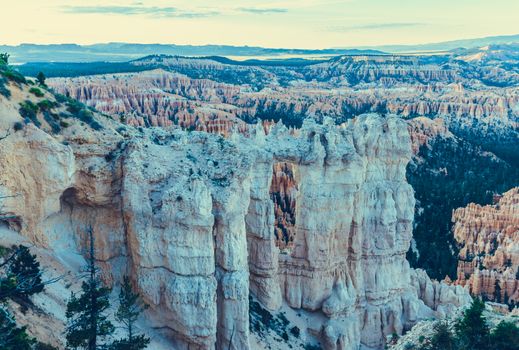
<point>282,23</point>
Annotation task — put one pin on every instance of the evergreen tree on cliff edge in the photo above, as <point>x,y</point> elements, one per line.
<point>88,326</point>
<point>130,307</point>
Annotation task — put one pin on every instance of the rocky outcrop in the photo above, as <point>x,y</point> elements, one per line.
<point>354,219</point>
<point>439,295</point>
<point>422,130</point>
<point>489,255</point>
<point>422,333</point>
<point>189,216</point>
<point>185,217</point>
<point>32,159</point>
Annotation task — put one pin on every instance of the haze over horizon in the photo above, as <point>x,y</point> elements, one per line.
<point>312,24</point>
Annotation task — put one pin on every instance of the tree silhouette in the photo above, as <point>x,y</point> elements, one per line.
<point>13,337</point>
<point>497,291</point>
<point>27,271</point>
<point>20,277</point>
<point>4,58</point>
<point>442,338</point>
<point>88,326</point>
<point>472,330</point>
<point>505,336</point>
<point>41,78</point>
<point>130,307</point>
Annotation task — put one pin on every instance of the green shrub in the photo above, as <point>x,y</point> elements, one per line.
<point>20,277</point>
<point>61,98</point>
<point>4,91</point>
<point>85,116</point>
<point>13,337</point>
<point>42,346</point>
<point>471,332</point>
<point>472,329</point>
<point>409,346</point>
<point>4,250</point>
<point>26,268</point>
<point>505,336</point>
<point>312,347</point>
<point>45,105</point>
<point>88,117</point>
<point>50,118</point>
<point>18,126</point>
<point>295,331</point>
<point>29,111</point>
<point>13,75</point>
<point>36,92</point>
<point>74,106</point>
<point>81,112</point>
<point>261,321</point>
<point>41,78</point>
<point>443,337</point>
<point>4,58</point>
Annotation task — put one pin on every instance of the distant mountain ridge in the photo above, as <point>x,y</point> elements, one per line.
<point>446,45</point>
<point>120,52</point>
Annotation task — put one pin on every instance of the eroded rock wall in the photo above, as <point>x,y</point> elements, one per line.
<point>162,98</point>
<point>190,218</point>
<point>354,212</point>
<point>489,254</point>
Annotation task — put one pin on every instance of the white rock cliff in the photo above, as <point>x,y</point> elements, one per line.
<point>190,218</point>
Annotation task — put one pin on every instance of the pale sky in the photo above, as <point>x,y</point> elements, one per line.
<point>268,23</point>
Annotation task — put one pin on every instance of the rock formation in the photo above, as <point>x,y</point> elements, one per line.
<point>422,130</point>
<point>283,192</point>
<point>189,216</point>
<point>489,255</point>
<point>416,338</point>
<point>340,88</point>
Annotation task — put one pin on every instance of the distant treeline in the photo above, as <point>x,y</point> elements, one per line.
<point>63,69</point>
<point>75,69</point>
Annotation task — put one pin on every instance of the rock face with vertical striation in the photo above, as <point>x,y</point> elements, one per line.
<point>189,216</point>
<point>283,192</point>
<point>353,216</point>
<point>489,254</point>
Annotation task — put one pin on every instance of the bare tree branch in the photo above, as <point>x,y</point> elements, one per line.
<point>26,284</point>
<point>7,134</point>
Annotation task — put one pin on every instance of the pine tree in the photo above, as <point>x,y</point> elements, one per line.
<point>130,307</point>
<point>13,337</point>
<point>472,329</point>
<point>88,326</point>
<point>20,274</point>
<point>497,291</point>
<point>41,78</point>
<point>20,277</point>
<point>442,338</point>
<point>4,58</point>
<point>505,336</point>
<point>26,270</point>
